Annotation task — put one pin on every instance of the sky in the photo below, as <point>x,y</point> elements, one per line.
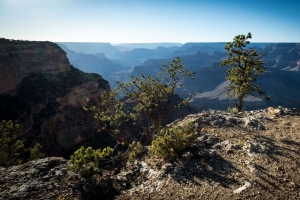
<point>146,21</point>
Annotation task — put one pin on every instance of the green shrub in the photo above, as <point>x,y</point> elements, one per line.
<point>10,146</point>
<point>35,152</point>
<point>136,150</point>
<point>174,140</point>
<point>84,160</point>
<point>232,110</point>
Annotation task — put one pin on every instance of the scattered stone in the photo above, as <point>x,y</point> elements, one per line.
<point>274,111</point>
<point>253,148</point>
<point>187,155</point>
<point>244,187</point>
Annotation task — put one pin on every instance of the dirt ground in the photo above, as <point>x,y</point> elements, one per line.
<point>241,163</point>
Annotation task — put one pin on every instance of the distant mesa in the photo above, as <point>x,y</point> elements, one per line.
<point>148,45</point>
<point>92,48</point>
<point>94,63</point>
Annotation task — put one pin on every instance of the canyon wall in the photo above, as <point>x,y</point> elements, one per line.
<point>42,92</point>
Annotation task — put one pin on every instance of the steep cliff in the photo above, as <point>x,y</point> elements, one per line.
<point>42,92</point>
<point>18,59</point>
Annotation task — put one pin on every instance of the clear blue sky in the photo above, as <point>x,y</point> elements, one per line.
<point>124,21</point>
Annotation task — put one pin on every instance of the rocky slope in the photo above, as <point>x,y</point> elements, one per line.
<point>45,95</point>
<point>249,155</point>
<point>285,56</point>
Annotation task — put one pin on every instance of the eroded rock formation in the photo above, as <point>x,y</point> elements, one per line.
<point>42,92</point>
<point>22,58</point>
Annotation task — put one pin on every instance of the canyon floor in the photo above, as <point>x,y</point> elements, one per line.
<point>249,155</point>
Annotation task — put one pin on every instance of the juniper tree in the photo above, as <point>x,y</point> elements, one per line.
<point>152,102</point>
<point>246,64</point>
<point>154,94</point>
<point>152,97</point>
<point>118,119</point>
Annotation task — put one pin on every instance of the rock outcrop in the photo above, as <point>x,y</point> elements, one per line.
<point>42,92</point>
<point>48,178</point>
<point>22,58</point>
<point>248,155</point>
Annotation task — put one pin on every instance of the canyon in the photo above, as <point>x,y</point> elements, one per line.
<point>43,93</point>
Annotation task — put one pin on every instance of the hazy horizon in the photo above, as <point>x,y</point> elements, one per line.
<point>136,21</point>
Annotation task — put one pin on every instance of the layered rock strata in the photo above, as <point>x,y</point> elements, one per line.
<point>19,59</point>
<point>42,92</point>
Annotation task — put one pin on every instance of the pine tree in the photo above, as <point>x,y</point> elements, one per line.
<point>246,64</point>
<point>85,160</point>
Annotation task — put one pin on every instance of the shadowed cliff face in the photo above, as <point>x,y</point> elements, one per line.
<point>45,95</point>
<point>18,59</point>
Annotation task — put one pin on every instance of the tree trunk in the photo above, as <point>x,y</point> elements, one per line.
<point>240,106</point>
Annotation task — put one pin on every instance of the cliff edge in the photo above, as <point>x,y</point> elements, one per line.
<point>42,92</point>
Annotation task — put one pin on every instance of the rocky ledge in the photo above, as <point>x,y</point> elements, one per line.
<point>248,155</point>
<point>48,179</point>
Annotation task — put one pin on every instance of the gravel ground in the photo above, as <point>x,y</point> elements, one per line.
<point>233,161</point>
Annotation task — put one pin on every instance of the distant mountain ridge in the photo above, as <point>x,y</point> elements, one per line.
<point>137,56</point>
<point>149,45</point>
<point>281,80</point>
<point>205,57</point>
<point>94,63</point>
<point>91,48</point>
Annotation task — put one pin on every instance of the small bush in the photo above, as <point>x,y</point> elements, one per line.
<point>10,146</point>
<point>84,160</point>
<point>136,150</point>
<point>35,152</point>
<point>232,110</point>
<point>174,140</point>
